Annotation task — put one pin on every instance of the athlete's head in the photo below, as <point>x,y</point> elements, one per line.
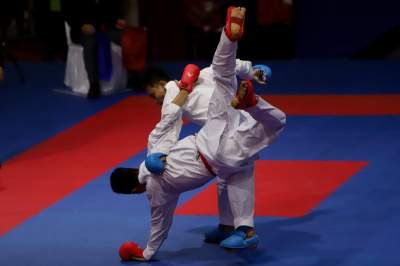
<point>154,80</point>
<point>125,181</point>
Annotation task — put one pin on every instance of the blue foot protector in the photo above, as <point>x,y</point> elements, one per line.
<point>238,240</point>
<point>216,236</point>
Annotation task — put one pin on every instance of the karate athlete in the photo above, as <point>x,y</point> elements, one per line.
<point>163,91</point>
<point>227,144</point>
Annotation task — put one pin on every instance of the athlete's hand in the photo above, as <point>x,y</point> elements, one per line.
<point>189,77</point>
<point>262,74</point>
<point>257,77</point>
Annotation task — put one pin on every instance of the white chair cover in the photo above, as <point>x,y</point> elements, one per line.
<point>75,72</point>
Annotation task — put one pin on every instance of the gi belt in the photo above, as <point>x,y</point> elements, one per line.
<point>206,164</point>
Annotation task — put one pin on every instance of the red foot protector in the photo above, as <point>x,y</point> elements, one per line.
<point>249,98</point>
<point>283,188</point>
<point>228,24</point>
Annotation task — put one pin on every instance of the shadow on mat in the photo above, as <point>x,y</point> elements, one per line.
<point>275,241</point>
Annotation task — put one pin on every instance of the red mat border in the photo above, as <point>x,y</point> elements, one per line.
<point>87,146</point>
<point>335,104</point>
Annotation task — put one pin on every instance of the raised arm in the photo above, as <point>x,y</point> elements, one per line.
<point>166,132</point>
<point>161,221</point>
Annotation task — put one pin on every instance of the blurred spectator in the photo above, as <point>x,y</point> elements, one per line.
<point>50,27</point>
<point>204,20</point>
<point>8,12</point>
<point>88,20</point>
<point>165,23</point>
<point>274,11</point>
<point>275,28</point>
<point>270,20</point>
<point>134,43</point>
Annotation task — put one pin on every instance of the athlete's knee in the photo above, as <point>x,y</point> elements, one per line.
<point>279,120</point>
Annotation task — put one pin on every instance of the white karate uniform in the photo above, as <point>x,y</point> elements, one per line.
<point>230,140</point>
<point>195,109</point>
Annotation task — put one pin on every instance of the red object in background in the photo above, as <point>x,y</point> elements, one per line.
<point>204,14</point>
<point>283,188</point>
<point>134,48</point>
<point>337,104</point>
<point>273,11</point>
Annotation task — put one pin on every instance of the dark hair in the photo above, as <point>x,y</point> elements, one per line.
<point>124,180</point>
<point>152,76</point>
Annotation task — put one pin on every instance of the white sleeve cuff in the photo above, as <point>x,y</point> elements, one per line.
<point>147,254</point>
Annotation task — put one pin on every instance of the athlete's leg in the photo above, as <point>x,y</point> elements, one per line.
<point>224,207</point>
<point>224,66</point>
<point>270,122</point>
<point>220,112</point>
<point>259,126</point>
<point>240,190</point>
<point>226,220</point>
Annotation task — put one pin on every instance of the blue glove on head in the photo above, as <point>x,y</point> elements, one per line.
<point>266,72</point>
<point>154,164</point>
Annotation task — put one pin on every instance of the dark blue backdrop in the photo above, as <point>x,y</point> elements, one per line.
<point>339,28</point>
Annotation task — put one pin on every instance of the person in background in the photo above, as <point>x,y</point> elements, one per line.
<point>204,20</point>
<point>88,18</point>
<point>8,11</point>
<point>49,26</point>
